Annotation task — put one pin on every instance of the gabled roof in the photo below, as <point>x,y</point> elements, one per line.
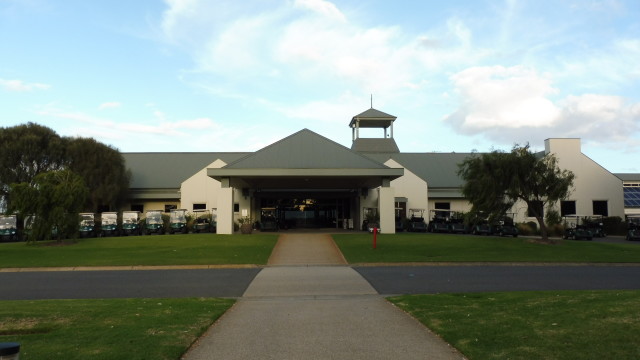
<point>164,170</point>
<point>305,150</point>
<point>305,160</point>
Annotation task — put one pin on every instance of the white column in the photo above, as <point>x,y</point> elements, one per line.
<point>225,208</point>
<point>386,206</point>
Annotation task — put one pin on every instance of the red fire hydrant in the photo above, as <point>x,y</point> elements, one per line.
<point>375,237</point>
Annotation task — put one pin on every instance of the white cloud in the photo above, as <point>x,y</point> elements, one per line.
<point>514,105</point>
<point>21,86</point>
<point>310,44</point>
<point>159,131</point>
<point>503,97</point>
<point>109,105</point>
<point>322,7</point>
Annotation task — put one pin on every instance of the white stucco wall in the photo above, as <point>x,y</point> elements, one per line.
<point>201,189</point>
<point>412,187</point>
<point>592,181</point>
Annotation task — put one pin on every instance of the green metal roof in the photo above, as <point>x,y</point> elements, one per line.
<point>372,118</point>
<point>628,176</point>
<point>167,170</point>
<point>305,150</point>
<point>375,145</point>
<point>439,170</point>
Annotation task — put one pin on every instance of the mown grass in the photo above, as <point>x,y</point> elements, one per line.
<point>411,247</point>
<point>107,329</point>
<point>190,249</point>
<point>533,325</point>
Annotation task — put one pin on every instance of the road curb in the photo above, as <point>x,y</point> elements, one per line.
<point>130,268</point>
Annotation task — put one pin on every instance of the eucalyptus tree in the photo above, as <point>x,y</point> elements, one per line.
<point>495,181</point>
<point>54,199</point>
<point>103,169</point>
<point>26,151</point>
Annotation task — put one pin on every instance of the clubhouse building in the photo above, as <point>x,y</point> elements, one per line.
<point>310,181</point>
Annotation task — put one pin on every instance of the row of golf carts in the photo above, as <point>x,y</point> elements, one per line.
<point>448,221</point>
<point>131,223</point>
<point>576,227</point>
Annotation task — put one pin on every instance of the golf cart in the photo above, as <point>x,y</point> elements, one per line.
<point>416,222</point>
<point>178,221</point>
<point>131,223</point>
<point>109,224</point>
<point>575,229</point>
<point>202,221</point>
<point>480,225</point>
<point>439,221</point>
<point>595,224</point>
<point>633,227</point>
<point>88,225</point>
<point>505,226</point>
<point>268,220</point>
<point>8,228</point>
<point>154,223</point>
<point>456,223</point>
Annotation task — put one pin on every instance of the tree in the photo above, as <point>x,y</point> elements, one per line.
<point>26,151</point>
<point>55,198</point>
<point>495,181</point>
<point>103,169</point>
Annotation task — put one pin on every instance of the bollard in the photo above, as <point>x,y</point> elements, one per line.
<point>375,237</point>
<point>9,351</point>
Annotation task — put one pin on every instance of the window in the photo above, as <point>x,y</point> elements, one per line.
<point>236,207</point>
<point>631,196</point>
<point>199,206</point>
<point>600,208</point>
<point>535,209</point>
<point>169,207</point>
<point>137,207</point>
<point>442,206</point>
<point>401,209</point>
<point>567,208</point>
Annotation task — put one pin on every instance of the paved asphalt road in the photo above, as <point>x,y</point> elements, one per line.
<point>125,284</point>
<point>386,280</point>
<point>447,279</point>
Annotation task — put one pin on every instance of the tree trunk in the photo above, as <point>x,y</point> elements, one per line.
<point>543,231</point>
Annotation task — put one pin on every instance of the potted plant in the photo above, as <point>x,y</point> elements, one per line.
<point>246,225</point>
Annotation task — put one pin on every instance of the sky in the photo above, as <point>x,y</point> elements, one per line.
<point>217,75</point>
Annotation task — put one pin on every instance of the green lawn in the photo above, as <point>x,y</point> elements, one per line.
<point>412,247</point>
<point>190,249</point>
<point>107,329</point>
<point>533,325</point>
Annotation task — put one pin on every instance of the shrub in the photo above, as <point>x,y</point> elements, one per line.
<point>556,230</point>
<point>524,229</point>
<point>552,217</point>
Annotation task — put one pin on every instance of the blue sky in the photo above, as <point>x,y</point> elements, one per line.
<point>204,75</point>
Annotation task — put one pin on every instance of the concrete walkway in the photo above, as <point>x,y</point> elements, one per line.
<point>307,304</point>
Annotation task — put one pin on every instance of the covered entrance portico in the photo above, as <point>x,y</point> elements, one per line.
<point>310,180</point>
<point>308,209</point>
